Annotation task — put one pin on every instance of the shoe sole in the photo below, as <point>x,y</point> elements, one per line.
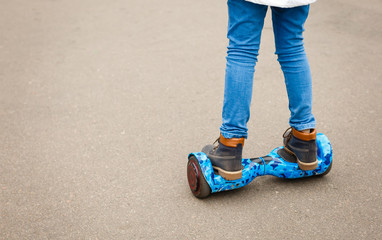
<point>228,175</point>
<point>304,166</point>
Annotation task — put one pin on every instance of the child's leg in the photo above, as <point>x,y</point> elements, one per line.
<point>288,27</point>
<point>246,22</point>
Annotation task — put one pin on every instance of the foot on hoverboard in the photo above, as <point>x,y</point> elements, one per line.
<point>303,146</point>
<point>203,180</point>
<point>226,157</point>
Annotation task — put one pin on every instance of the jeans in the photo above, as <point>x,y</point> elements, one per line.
<point>246,21</point>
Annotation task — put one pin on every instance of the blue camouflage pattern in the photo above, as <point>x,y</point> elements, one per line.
<point>275,167</point>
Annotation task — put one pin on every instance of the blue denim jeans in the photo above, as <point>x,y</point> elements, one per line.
<point>245,25</point>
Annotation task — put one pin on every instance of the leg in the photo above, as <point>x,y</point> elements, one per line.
<point>288,27</point>
<point>245,24</point>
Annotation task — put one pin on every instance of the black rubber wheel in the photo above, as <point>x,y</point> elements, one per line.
<point>327,170</point>
<point>198,184</point>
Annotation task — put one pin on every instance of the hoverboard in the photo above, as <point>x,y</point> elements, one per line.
<point>203,180</point>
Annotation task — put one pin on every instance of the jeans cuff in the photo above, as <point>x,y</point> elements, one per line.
<point>300,127</point>
<point>233,135</point>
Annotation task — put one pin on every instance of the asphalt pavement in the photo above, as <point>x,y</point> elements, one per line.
<point>102,101</point>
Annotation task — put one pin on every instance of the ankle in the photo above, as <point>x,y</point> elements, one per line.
<point>231,142</point>
<point>305,135</point>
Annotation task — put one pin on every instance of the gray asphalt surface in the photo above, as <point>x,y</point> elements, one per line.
<point>101,102</point>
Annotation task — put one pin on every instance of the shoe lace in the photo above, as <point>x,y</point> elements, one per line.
<point>288,134</point>
<point>216,145</point>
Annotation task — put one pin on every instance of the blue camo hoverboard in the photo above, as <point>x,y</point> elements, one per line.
<point>203,180</point>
